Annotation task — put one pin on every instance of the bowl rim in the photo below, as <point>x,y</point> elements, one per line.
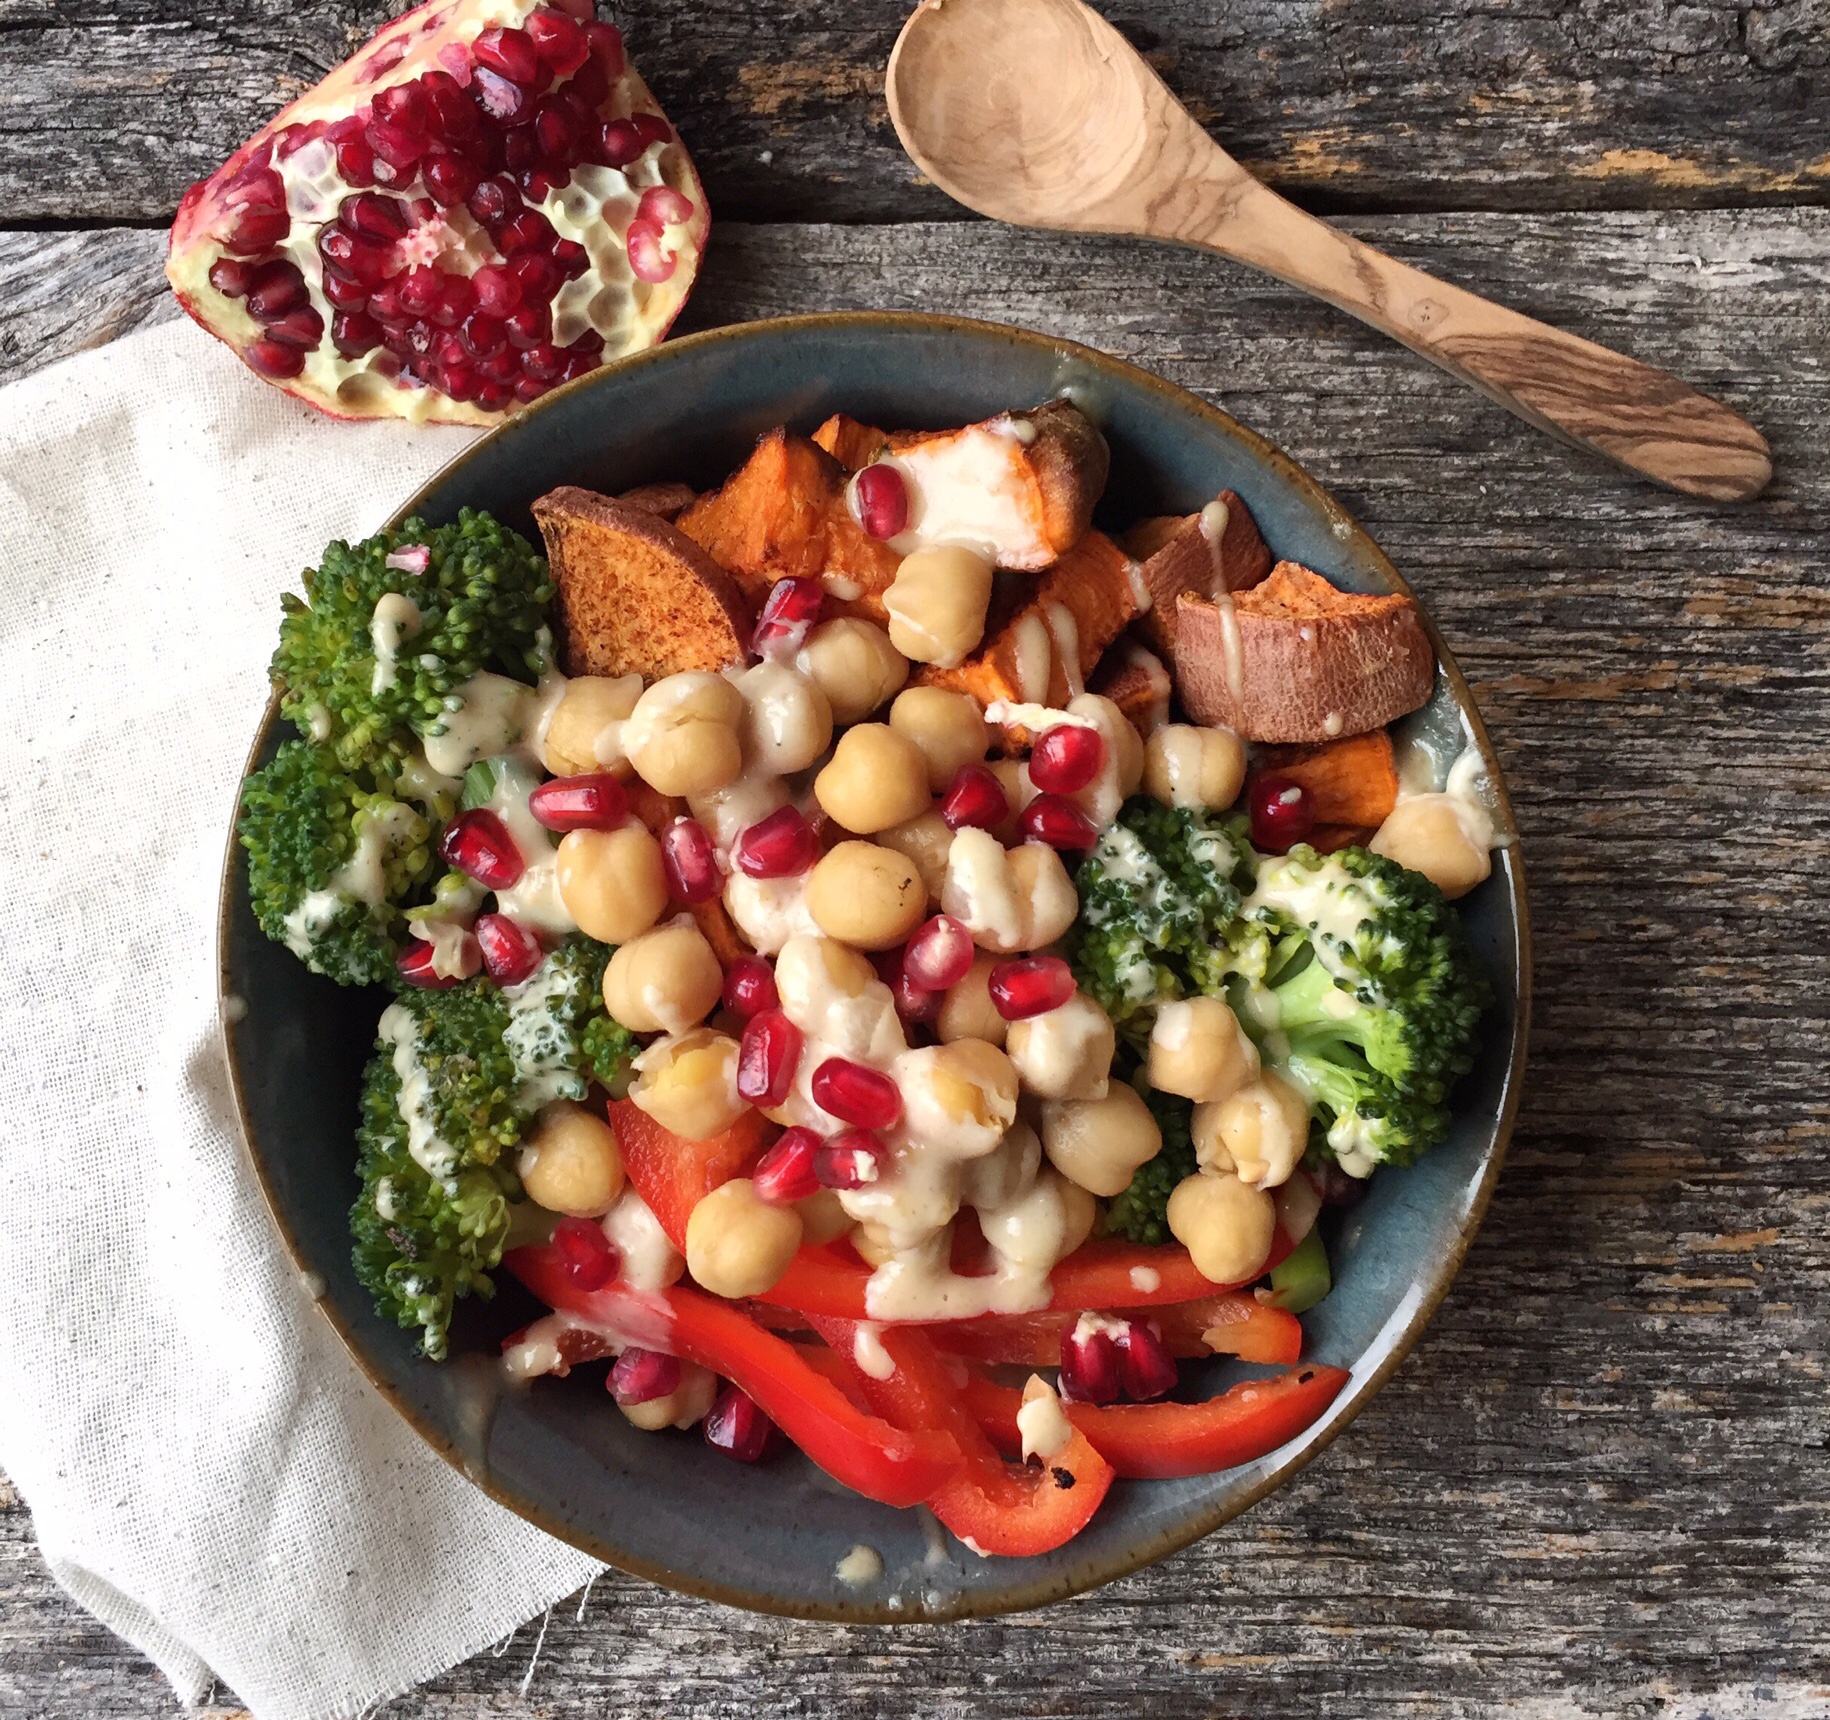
<point>1095,1572</point>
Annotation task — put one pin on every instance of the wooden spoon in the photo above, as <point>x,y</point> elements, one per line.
<point>1038,112</point>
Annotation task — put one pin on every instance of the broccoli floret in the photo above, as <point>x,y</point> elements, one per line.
<point>1157,895</point>
<point>559,1034</point>
<point>1139,1212</point>
<point>365,685</point>
<point>1361,991</point>
<point>332,858</point>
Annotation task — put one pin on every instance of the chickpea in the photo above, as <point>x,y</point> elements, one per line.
<point>688,1084</point>
<point>876,778</point>
<point>854,664</point>
<point>1099,1143</point>
<point>874,1243</point>
<point>1199,1050</point>
<point>967,1011</point>
<point>823,1218</point>
<point>1123,769</point>
<point>1064,1053</point>
<point>937,605</point>
<point>1045,892</point>
<point>1013,775</point>
<point>664,981</point>
<point>576,741</point>
<point>1079,1214</point>
<point>787,719</point>
<point>925,840</point>
<point>738,1245</point>
<point>688,1404</point>
<point>682,735</point>
<point>571,1163</point>
<point>1045,1223</point>
<point>1443,837</point>
<point>1259,1133</point>
<point>611,882</point>
<point>1225,1225</point>
<point>866,896</point>
<point>949,728</point>
<point>957,1098</point>
<point>1004,1173</point>
<point>1186,766</point>
<point>1012,900</point>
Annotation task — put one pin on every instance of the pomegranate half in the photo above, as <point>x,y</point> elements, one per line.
<point>481,204</point>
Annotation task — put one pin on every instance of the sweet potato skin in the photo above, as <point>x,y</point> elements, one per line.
<point>1218,549</point>
<point>1136,680</point>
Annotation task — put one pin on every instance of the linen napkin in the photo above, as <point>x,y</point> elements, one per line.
<point>207,1471</point>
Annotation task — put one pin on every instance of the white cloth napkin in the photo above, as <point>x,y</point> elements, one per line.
<point>207,1471</point>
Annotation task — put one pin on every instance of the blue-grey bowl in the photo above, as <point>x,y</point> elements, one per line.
<point>666,1506</point>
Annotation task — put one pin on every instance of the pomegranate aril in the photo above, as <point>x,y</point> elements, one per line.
<point>501,98</point>
<point>792,608</point>
<point>855,1094</point>
<point>749,987</point>
<point>1090,1365</point>
<point>1053,819</point>
<point>1282,813</point>
<point>414,965</point>
<point>1030,985</point>
<point>529,327</point>
<point>1066,757</point>
<point>606,44</point>
<point>619,143</point>
<point>384,302</point>
<point>1145,1367</point>
<point>596,801</point>
<point>938,954</point>
<point>528,231</point>
<point>275,289</point>
<point>541,182</point>
<point>478,844</point>
<point>556,132</point>
<point>302,329</point>
<point>542,363</point>
<point>448,353</point>
<point>419,290</point>
<point>589,1257</point>
<point>851,1160</point>
<point>641,1376</point>
<point>498,289</point>
<point>588,87</point>
<point>539,276</point>
<point>914,1002</point>
<point>450,179</point>
<point>355,162</point>
<point>353,333</point>
<point>664,206</point>
<point>572,259</point>
<point>406,106</point>
<point>394,144</point>
<point>511,953</point>
<point>343,293</point>
<point>767,1059</point>
<point>690,863</point>
<point>501,367</point>
<point>251,230</point>
<point>230,278</point>
<point>647,259</point>
<point>370,215</point>
<point>456,118</point>
<point>558,40</point>
<point>783,845</point>
<point>493,395</point>
<point>736,1425</point>
<point>510,52</point>
<point>494,200</point>
<point>651,128</point>
<point>975,798</point>
<point>520,151</point>
<point>882,501</point>
<point>361,259</point>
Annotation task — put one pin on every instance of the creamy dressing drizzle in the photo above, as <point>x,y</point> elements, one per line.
<point>972,489</point>
<point>362,878</point>
<point>428,1149</point>
<point>396,620</point>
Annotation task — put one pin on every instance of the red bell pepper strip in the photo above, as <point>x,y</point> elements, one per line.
<point>994,1508</point>
<point>869,1456</point>
<point>1155,1441</point>
<point>674,1174</point>
<point>1241,1326</point>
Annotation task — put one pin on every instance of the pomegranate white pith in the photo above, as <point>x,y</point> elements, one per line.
<point>481,204</point>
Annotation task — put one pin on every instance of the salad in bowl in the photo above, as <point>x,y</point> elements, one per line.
<point>890,967</point>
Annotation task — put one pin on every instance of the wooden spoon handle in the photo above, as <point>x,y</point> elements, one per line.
<point>1641,418</point>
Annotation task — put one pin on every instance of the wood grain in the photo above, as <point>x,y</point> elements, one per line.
<point>111,107</point>
<point>1600,1487</point>
<point>1039,113</point>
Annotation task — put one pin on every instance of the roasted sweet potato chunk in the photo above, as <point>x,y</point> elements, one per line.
<point>1219,549</point>
<point>1351,782</point>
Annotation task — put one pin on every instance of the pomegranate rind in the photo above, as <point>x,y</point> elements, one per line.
<point>595,208</point>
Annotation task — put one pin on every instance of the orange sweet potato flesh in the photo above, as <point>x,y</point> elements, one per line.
<point>851,443</point>
<point>1352,782</point>
<point>783,515</point>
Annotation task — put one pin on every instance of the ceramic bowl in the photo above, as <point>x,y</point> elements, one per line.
<point>668,1507</point>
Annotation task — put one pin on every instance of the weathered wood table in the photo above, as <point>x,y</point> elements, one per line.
<point>1600,1486</point>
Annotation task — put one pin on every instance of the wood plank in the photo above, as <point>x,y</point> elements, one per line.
<point>1599,1487</point>
<point>1350,105</point>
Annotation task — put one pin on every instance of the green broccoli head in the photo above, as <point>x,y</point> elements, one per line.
<point>332,858</point>
<point>1140,1211</point>
<point>1157,894</point>
<point>1364,995</point>
<point>363,682</point>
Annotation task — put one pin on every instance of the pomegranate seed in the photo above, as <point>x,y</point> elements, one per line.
<point>539,275</point>
<point>408,107</point>
<point>520,150</point>
<point>302,328</point>
<point>792,608</point>
<point>619,144</point>
<point>493,396</point>
<point>1030,986</point>
<point>1145,1367</point>
<point>855,1094</point>
<point>768,1059</point>
<point>450,179</point>
<point>914,1002</point>
<point>361,259</point>
<point>783,845</point>
<point>355,162</point>
<point>510,52</point>
<point>501,98</point>
<point>511,953</point>
<point>558,40</point>
<point>370,215</point>
<point>882,501</point>
<point>606,42</point>
<point>641,1376</point>
<point>581,11</point>
<point>651,128</point>
<point>1059,822</point>
<point>394,144</point>
<point>230,278</point>
<point>786,1173</point>
<point>414,965</point>
<point>646,258</point>
<point>501,366</point>
<point>529,327</point>
<point>938,953</point>
<point>1090,1365</point>
<point>974,798</point>
<point>690,863</point>
<point>494,200</point>
<point>596,801</point>
<point>251,231</point>
<point>1066,757</point>
<point>572,260</point>
<point>419,290</point>
<point>354,332</point>
<point>556,132</point>
<point>274,289</point>
<point>384,302</point>
<point>588,88</point>
<point>749,987</point>
<point>456,118</point>
<point>851,1160</point>
<point>343,293</point>
<point>457,298</point>
<point>478,844</point>
<point>736,1425</point>
<point>1282,813</point>
<point>528,231</point>
<point>498,289</point>
<point>664,206</point>
<point>542,363</point>
<point>589,1257</point>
